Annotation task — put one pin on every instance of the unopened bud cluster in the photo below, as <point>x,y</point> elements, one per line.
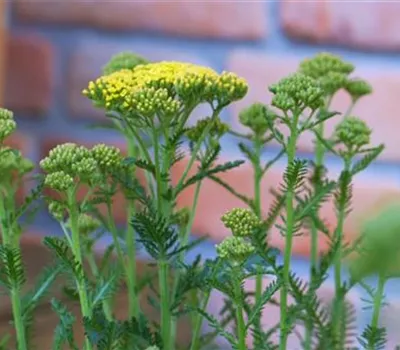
<point>296,93</point>
<point>242,223</point>
<point>123,60</point>
<point>7,123</point>
<point>69,163</point>
<point>87,224</point>
<point>353,133</point>
<point>13,163</point>
<point>257,117</point>
<point>333,74</point>
<point>217,130</point>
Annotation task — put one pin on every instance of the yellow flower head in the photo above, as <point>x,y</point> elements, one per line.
<point>163,87</point>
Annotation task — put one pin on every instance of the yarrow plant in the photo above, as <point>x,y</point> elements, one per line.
<point>151,104</point>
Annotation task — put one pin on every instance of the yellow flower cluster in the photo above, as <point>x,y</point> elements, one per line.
<point>163,87</point>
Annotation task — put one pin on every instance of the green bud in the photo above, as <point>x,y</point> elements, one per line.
<point>297,92</point>
<point>236,249</point>
<point>358,88</point>
<point>123,60</point>
<point>242,222</point>
<point>257,117</point>
<point>153,348</point>
<point>353,133</point>
<point>182,216</point>
<point>108,158</point>
<point>217,130</point>
<point>86,224</point>
<point>323,64</point>
<point>7,123</point>
<point>57,210</point>
<point>12,162</point>
<point>332,82</point>
<point>59,181</point>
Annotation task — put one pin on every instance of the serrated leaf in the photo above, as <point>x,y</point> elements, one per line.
<point>364,162</point>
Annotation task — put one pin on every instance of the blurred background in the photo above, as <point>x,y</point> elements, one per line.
<point>51,49</point>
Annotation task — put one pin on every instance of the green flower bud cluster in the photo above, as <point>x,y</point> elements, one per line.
<point>108,158</point>
<point>87,224</point>
<point>163,87</point>
<point>13,163</point>
<point>297,92</point>
<point>7,123</point>
<point>70,162</point>
<point>332,72</point>
<point>123,60</point>
<point>218,129</point>
<point>57,210</point>
<point>257,117</point>
<point>153,348</point>
<point>236,249</point>
<point>353,133</point>
<point>357,88</point>
<point>323,64</point>
<point>242,222</point>
<point>182,216</point>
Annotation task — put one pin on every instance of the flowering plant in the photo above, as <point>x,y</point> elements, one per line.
<point>151,106</point>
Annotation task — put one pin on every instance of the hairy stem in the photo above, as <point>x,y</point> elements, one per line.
<point>165,304</point>
<point>76,249</point>
<point>291,154</point>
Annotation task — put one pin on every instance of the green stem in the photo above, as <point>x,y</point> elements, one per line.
<point>338,261</point>
<point>131,277</point>
<point>165,304</point>
<point>18,320</point>
<point>184,241</point>
<point>291,154</point>
<point>76,249</point>
<point>258,174</point>
<point>95,271</point>
<point>241,325</point>
<point>377,305</point>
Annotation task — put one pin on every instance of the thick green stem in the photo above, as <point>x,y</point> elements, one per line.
<point>165,304</point>
<point>291,154</point>
<point>377,305</point>
<point>241,325</point>
<point>131,276</point>
<point>18,320</point>
<point>76,249</point>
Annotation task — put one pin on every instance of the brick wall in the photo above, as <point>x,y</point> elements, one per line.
<point>56,47</point>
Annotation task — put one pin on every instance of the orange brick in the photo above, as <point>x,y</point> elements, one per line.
<point>193,19</point>
<point>29,78</point>
<point>118,202</point>
<point>368,197</point>
<point>334,22</point>
<point>379,110</point>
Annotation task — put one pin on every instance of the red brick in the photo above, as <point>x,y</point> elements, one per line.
<point>271,313</point>
<point>324,21</point>
<point>193,19</point>
<point>119,203</point>
<point>368,197</point>
<point>86,64</point>
<point>29,77</point>
<point>379,110</point>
